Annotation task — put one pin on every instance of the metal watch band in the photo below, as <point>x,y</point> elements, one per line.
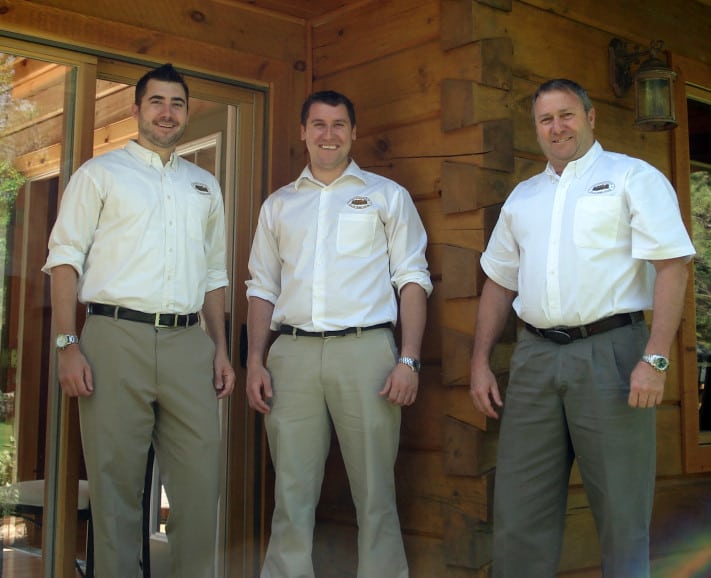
<point>411,362</point>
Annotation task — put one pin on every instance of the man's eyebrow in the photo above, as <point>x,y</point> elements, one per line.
<point>318,119</point>
<point>162,97</point>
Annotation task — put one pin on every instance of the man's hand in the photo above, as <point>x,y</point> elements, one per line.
<point>646,386</point>
<point>259,388</point>
<point>74,372</point>
<point>224,376</point>
<point>484,390</point>
<point>401,386</point>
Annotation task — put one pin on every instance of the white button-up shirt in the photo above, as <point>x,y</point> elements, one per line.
<point>329,256</point>
<point>576,247</point>
<point>142,235</point>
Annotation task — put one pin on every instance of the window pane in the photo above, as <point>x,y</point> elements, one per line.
<point>32,95</point>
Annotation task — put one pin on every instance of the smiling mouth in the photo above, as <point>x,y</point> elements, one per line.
<point>329,147</point>
<point>562,140</point>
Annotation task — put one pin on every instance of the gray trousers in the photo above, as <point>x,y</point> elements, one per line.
<point>318,382</point>
<point>567,402</point>
<point>151,385</point>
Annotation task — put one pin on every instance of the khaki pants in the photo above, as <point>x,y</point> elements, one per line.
<point>151,385</point>
<point>318,382</point>
<point>567,402</point>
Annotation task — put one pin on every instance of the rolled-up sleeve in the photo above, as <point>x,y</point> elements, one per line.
<point>73,232</point>
<point>264,262</point>
<point>408,243</point>
<point>215,249</point>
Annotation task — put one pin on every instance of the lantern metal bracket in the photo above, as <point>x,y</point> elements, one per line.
<point>621,60</point>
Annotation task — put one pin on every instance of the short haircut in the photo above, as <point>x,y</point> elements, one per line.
<point>165,73</point>
<point>566,85</point>
<point>331,98</point>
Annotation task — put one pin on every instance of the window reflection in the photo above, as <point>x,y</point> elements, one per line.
<point>31,136</point>
<point>699,113</point>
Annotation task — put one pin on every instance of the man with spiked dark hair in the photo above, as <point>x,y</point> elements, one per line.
<point>140,241</point>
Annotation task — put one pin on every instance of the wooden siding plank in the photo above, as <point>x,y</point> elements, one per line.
<point>378,28</point>
<point>420,176</point>
<point>488,144</point>
<point>461,274</point>
<point>467,187</point>
<point>465,21</point>
<point>408,82</point>
<point>468,451</point>
<point>465,103</point>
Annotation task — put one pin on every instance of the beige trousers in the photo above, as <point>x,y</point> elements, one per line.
<point>151,385</point>
<point>319,383</point>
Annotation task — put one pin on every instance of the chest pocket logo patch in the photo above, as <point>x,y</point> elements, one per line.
<point>360,203</point>
<point>201,188</point>
<point>604,187</point>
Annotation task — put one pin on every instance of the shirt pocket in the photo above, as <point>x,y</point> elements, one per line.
<point>597,221</point>
<point>356,233</point>
<point>198,212</point>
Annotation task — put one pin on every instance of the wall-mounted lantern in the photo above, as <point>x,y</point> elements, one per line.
<point>653,84</point>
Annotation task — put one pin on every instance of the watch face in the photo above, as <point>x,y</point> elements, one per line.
<point>64,340</point>
<point>658,362</point>
<point>661,363</point>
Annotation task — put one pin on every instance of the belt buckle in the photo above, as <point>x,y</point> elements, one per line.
<point>157,324</point>
<point>559,336</point>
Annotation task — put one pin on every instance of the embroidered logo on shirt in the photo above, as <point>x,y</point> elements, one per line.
<point>201,188</point>
<point>360,203</point>
<point>604,187</point>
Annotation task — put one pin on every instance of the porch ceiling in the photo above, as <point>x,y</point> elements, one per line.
<point>310,9</point>
<point>306,9</point>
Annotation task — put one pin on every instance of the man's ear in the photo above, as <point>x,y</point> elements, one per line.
<point>591,117</point>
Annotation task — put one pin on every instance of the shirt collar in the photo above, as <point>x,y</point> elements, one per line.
<point>578,166</point>
<point>150,157</point>
<point>353,171</point>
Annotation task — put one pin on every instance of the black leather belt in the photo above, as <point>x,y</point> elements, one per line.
<point>289,330</point>
<point>565,335</point>
<point>155,319</point>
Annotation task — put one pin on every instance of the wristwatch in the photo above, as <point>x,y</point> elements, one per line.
<point>658,362</point>
<point>64,340</point>
<point>411,362</point>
